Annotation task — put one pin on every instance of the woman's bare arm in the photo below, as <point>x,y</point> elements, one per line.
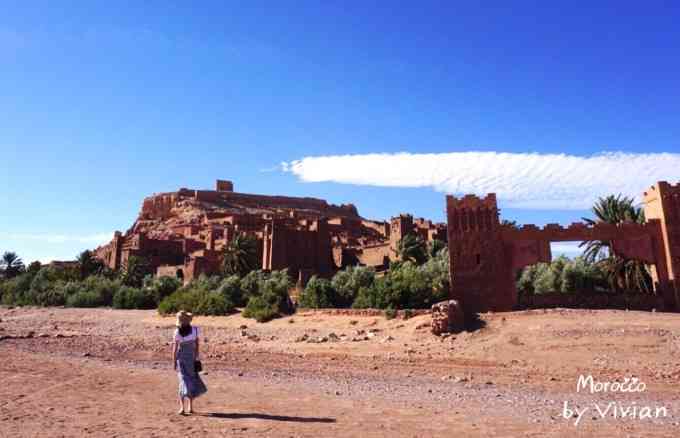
<point>174,354</point>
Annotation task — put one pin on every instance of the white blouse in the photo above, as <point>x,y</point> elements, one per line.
<point>190,337</point>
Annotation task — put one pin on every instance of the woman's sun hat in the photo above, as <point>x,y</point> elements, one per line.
<point>183,318</point>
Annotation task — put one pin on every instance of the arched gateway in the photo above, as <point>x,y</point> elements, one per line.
<point>485,255</point>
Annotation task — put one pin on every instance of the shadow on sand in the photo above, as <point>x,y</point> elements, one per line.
<point>474,322</point>
<point>237,416</point>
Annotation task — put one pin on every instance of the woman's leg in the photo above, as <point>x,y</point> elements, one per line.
<point>191,405</point>
<point>181,405</point>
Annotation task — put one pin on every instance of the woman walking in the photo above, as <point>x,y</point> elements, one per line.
<point>185,350</point>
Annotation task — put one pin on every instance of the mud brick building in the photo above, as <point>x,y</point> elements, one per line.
<point>184,233</point>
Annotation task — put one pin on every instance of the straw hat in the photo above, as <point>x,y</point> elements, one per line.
<point>183,318</point>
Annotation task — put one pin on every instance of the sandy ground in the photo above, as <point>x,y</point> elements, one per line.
<point>101,372</point>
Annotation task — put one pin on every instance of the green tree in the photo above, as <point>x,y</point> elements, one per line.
<point>318,294</point>
<point>11,265</point>
<point>134,271</point>
<point>88,264</point>
<point>240,255</point>
<point>434,247</point>
<point>348,281</point>
<point>412,248</point>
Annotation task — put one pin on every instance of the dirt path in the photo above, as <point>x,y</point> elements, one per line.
<point>107,373</point>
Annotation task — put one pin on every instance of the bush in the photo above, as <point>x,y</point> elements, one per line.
<point>103,287</point>
<point>230,289</point>
<point>347,283</point>
<point>83,298</point>
<point>260,309</point>
<point>161,287</point>
<point>390,313</point>
<point>213,303</point>
<point>201,297</point>
<point>271,297</point>
<point>407,285</point>
<point>132,298</point>
<point>250,284</point>
<point>318,294</point>
<point>14,291</point>
<point>562,275</point>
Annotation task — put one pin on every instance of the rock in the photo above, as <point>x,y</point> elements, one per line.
<point>244,332</point>
<point>30,335</point>
<point>353,322</point>
<point>291,321</point>
<point>447,317</point>
<point>43,335</point>
<point>253,338</point>
<point>86,355</point>
<point>388,339</point>
<point>302,338</point>
<point>332,337</point>
<point>243,327</point>
<point>240,374</point>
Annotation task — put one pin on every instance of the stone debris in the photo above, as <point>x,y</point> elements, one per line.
<point>447,317</point>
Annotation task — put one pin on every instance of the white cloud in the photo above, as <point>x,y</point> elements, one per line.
<point>94,239</point>
<point>569,249</point>
<point>521,180</point>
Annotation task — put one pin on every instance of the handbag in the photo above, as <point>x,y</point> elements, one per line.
<point>198,366</point>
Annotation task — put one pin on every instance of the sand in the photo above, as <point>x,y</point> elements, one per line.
<point>102,372</point>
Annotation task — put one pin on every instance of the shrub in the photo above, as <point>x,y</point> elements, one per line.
<point>371,297</point>
<point>271,298</point>
<point>230,289</point>
<point>213,303</point>
<point>347,283</point>
<point>407,285</point>
<point>15,290</point>
<point>250,284</point>
<point>318,294</point>
<point>259,309</point>
<point>127,297</point>
<point>84,298</point>
<point>201,297</point>
<point>562,275</point>
<point>161,287</point>
<point>103,287</point>
<point>390,313</point>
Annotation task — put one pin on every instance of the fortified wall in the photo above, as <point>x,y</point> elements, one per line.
<point>486,255</point>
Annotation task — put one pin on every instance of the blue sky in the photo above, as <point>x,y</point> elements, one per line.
<point>103,103</point>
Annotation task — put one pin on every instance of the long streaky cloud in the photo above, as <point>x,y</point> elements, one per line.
<point>521,180</point>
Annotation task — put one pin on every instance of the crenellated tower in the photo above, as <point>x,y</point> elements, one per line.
<point>481,277</point>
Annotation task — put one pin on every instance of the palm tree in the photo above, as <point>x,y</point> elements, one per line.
<point>623,274</point>
<point>11,265</point>
<point>240,255</point>
<point>412,248</point>
<point>611,210</point>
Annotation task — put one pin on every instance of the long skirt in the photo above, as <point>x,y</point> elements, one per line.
<point>190,383</point>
